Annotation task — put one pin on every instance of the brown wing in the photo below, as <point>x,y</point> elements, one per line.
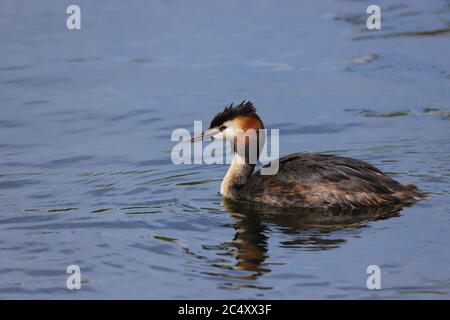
<point>322,180</point>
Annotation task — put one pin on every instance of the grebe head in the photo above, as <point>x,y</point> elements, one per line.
<point>241,126</point>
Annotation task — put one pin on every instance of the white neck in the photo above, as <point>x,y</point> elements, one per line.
<point>237,175</point>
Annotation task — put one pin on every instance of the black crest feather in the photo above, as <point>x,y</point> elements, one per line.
<point>245,108</point>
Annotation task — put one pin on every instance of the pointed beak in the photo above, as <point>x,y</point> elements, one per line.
<point>204,136</point>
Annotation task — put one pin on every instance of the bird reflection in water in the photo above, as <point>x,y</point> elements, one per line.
<point>309,229</point>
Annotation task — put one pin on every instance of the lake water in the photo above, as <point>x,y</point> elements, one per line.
<point>85,171</point>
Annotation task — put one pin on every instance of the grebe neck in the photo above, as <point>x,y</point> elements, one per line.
<point>237,175</point>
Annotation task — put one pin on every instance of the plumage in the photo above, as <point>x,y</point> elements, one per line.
<point>311,180</point>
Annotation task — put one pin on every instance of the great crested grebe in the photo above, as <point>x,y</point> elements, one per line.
<point>304,180</point>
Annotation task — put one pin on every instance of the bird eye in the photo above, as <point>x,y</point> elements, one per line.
<point>222,128</point>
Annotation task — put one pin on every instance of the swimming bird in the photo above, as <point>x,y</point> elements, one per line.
<point>303,180</point>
